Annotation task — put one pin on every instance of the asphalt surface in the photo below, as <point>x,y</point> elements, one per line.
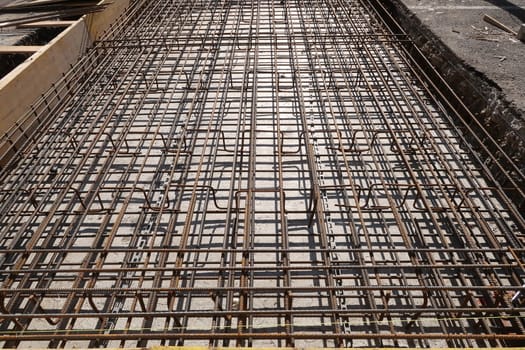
<point>500,56</point>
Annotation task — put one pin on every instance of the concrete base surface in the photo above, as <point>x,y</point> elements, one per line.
<point>499,55</point>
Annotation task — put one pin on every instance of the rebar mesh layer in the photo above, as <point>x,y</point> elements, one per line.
<point>254,173</point>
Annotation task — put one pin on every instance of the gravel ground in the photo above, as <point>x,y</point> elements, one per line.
<point>489,50</point>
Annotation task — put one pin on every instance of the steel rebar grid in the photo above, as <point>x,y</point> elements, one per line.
<point>253,173</point>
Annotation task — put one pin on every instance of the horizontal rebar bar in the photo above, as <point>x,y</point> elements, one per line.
<point>256,173</point>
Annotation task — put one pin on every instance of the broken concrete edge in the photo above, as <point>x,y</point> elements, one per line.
<point>482,96</point>
<point>26,83</point>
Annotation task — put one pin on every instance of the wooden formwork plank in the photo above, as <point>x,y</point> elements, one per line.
<point>23,49</point>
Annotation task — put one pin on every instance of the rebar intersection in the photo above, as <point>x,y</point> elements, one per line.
<point>254,173</point>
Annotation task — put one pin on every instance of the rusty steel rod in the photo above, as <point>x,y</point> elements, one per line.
<point>254,173</point>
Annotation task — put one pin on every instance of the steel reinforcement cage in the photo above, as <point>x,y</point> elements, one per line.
<point>255,173</point>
